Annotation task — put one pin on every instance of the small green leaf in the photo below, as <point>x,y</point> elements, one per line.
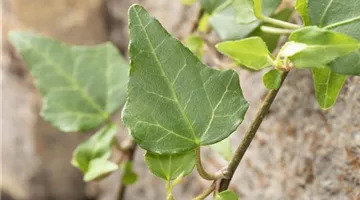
<point>99,168</point>
<point>196,45</point>
<point>271,40</point>
<point>169,167</point>
<point>327,86</point>
<point>204,26</point>
<point>310,42</point>
<point>244,11</point>
<point>337,15</point>
<point>225,23</point>
<point>251,52</point>
<point>211,6</point>
<point>81,86</point>
<point>188,2</point>
<point>176,103</point>
<point>223,148</point>
<point>272,79</point>
<point>258,8</point>
<point>97,146</point>
<point>129,177</point>
<point>226,195</point>
<point>302,9</point>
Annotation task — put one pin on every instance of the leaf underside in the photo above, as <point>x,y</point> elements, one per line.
<point>170,167</point>
<point>176,103</point>
<point>81,86</point>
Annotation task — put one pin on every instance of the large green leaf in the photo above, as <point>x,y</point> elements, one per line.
<point>81,86</point>
<point>251,52</point>
<point>226,195</point>
<point>97,147</point>
<point>176,103</point>
<point>342,16</point>
<point>302,8</point>
<point>327,86</point>
<point>310,42</point>
<point>170,167</point>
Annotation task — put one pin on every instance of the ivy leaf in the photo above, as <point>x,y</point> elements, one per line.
<point>97,146</point>
<point>251,52</point>
<point>340,16</point>
<point>211,6</point>
<point>272,79</point>
<point>81,86</point>
<point>310,42</point>
<point>223,148</point>
<point>348,65</point>
<point>226,25</point>
<point>327,86</point>
<point>170,167</point>
<point>129,177</point>
<point>176,103</point>
<point>196,45</point>
<point>99,168</point>
<point>226,195</point>
<point>302,8</point>
<point>271,40</point>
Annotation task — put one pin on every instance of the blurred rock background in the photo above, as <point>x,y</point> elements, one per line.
<point>300,152</point>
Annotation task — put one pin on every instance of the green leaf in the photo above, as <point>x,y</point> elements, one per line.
<point>348,65</point>
<point>204,23</point>
<point>176,103</point>
<point>97,146</point>
<point>223,148</point>
<point>225,23</point>
<point>327,86</point>
<point>226,195</point>
<point>302,8</point>
<point>244,11</point>
<point>271,40</point>
<point>81,86</point>
<point>272,79</point>
<point>99,168</point>
<point>170,167</point>
<point>129,177</point>
<point>188,2</point>
<point>251,52</point>
<point>196,45</point>
<point>340,16</point>
<point>211,6</point>
<point>258,7</point>
<point>310,42</point>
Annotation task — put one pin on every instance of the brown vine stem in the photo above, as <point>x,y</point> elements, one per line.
<point>130,157</point>
<point>250,134</point>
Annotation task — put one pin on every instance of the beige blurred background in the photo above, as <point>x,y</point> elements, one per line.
<point>300,152</point>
